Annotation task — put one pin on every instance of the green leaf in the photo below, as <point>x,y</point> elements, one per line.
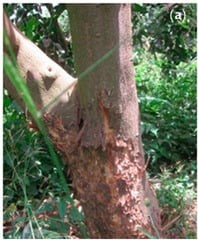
<point>51,234</point>
<point>150,236</point>
<point>46,207</point>
<point>75,215</point>
<point>62,208</point>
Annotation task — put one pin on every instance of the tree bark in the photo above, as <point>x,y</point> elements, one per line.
<point>109,169</point>
<point>45,79</point>
<point>96,125</point>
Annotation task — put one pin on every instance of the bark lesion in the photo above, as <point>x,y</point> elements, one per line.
<point>108,132</point>
<point>65,139</point>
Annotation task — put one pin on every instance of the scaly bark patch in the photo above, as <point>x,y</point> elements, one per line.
<point>108,183</point>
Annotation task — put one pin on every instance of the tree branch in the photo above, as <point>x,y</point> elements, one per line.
<point>47,81</point>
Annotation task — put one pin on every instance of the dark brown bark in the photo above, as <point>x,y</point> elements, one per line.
<point>108,171</point>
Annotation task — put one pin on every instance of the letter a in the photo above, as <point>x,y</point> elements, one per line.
<point>178,16</point>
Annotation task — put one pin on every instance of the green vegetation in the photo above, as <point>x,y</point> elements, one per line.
<point>168,111</point>
<point>165,64</point>
<point>35,205</point>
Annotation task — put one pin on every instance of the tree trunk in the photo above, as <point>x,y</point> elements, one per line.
<point>96,126</point>
<point>109,170</point>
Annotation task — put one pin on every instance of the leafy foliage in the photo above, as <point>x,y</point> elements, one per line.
<point>48,26</point>
<point>34,203</point>
<point>175,40</point>
<point>168,110</point>
<point>166,68</point>
<point>177,197</point>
